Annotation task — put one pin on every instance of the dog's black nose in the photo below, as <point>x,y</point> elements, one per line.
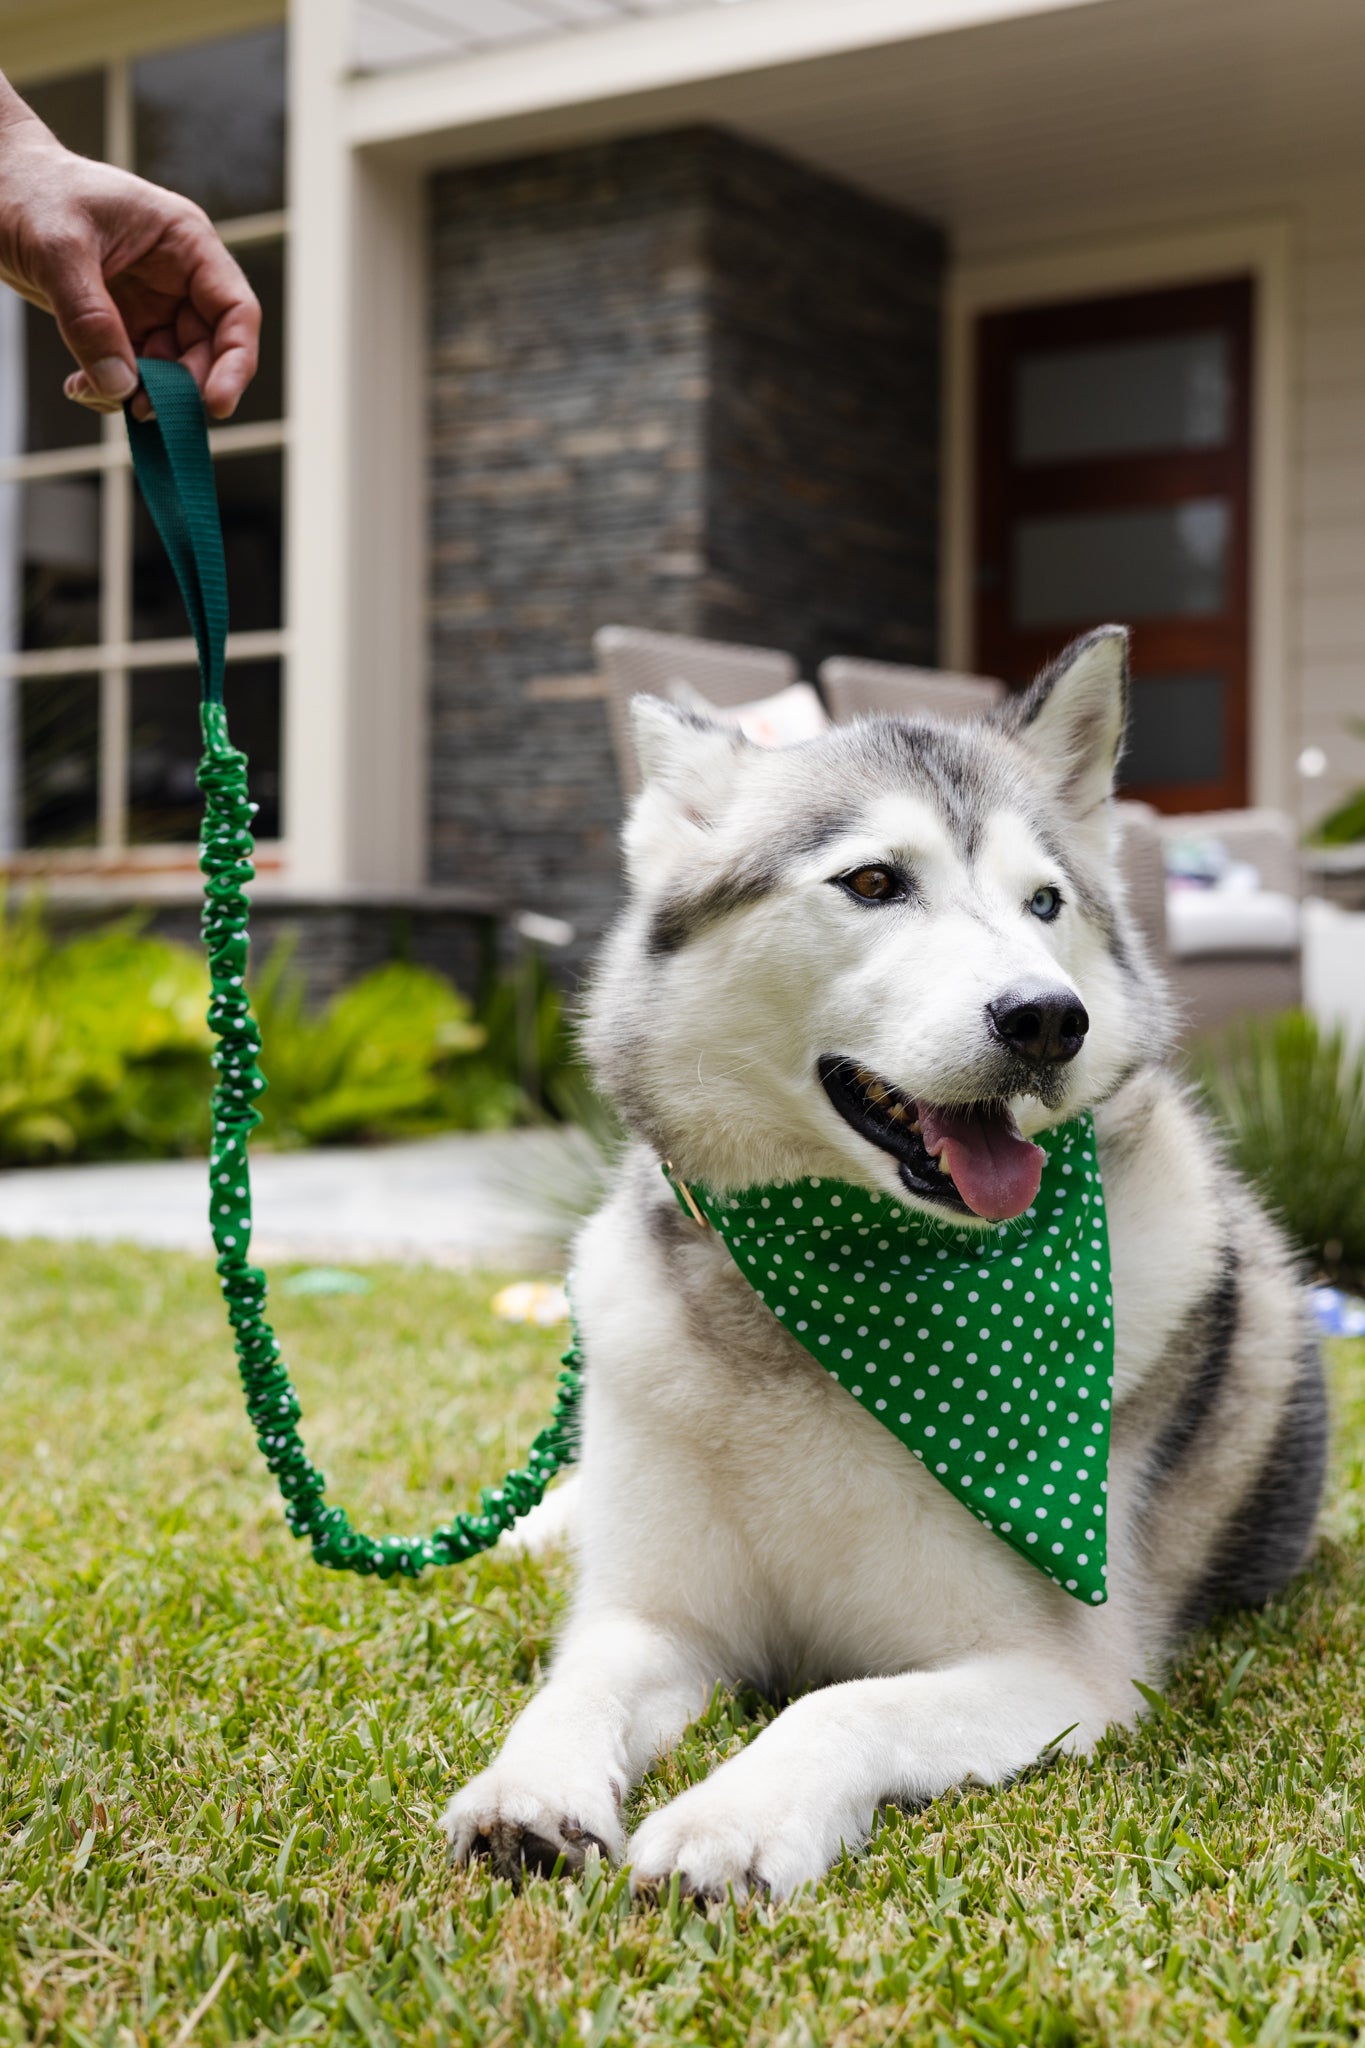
<point>1049,1028</point>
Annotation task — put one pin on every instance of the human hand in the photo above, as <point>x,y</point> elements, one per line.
<point>126,268</point>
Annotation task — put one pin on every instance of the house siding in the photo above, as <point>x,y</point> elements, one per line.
<point>680,382</point>
<point>1327,572</point>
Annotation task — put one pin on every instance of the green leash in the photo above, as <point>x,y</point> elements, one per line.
<point>175,472</point>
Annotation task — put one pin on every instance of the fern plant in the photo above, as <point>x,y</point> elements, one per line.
<point>1290,1098</point>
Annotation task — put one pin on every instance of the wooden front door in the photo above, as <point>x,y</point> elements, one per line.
<point>1113,483</point>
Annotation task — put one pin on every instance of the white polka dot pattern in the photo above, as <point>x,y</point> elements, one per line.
<point>990,1354</point>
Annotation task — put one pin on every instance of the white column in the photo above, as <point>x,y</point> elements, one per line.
<point>11,568</point>
<point>318,468</point>
<point>355,758</point>
<point>390,540</point>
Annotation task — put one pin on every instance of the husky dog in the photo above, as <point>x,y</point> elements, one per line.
<point>932,910</point>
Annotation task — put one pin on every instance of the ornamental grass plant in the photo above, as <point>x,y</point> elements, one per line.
<point>1289,1096</point>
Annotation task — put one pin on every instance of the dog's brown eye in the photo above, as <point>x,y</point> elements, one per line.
<point>874,885</point>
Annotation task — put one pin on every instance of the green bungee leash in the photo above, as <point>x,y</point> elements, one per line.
<point>175,472</point>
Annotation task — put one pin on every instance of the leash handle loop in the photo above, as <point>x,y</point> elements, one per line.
<point>175,471</point>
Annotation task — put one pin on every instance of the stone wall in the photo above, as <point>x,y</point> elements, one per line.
<point>823,417</point>
<point>676,381</point>
<point>330,945</point>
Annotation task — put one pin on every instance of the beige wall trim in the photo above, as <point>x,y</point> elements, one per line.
<point>39,40</point>
<point>318,477</point>
<point>1262,248</point>
<point>422,105</point>
<point>585,689</point>
<point>389,537</point>
<point>355,754</point>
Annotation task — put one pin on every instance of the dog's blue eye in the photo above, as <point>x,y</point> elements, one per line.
<point>1045,903</point>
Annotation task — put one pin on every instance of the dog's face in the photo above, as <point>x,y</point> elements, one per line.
<point>885,956</point>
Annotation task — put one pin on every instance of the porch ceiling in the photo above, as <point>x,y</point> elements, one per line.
<point>1043,122</point>
<point>1143,108</point>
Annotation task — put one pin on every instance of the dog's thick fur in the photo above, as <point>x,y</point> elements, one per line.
<point>739,1517</point>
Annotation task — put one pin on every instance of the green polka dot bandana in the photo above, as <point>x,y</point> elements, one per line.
<point>989,1353</point>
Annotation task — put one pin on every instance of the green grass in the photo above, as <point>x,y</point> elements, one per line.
<point>222,1766</point>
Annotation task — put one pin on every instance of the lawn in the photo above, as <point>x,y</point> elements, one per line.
<point>222,1766</point>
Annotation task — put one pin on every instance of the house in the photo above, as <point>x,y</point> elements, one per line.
<point>926,329</point>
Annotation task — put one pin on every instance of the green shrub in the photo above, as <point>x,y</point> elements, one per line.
<point>1290,1098</point>
<point>104,1051</point>
<point>389,1057</point>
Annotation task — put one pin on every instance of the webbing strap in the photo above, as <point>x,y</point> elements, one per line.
<point>175,471</point>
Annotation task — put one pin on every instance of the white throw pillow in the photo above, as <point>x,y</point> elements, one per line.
<point>789,715</point>
<point>1204,921</point>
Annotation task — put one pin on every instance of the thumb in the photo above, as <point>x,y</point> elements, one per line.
<point>92,328</point>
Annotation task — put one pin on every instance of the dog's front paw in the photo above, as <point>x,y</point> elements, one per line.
<point>517,1824</point>
<point>746,1838</point>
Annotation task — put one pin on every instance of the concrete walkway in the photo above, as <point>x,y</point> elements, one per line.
<point>471,1199</point>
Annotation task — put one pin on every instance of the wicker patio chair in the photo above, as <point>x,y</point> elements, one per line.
<point>636,663</point>
<point>854,688</point>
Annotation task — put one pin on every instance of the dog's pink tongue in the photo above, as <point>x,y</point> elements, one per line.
<point>994,1167</point>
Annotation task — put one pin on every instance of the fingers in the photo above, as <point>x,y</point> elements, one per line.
<point>92,328</point>
<point>160,344</point>
<point>179,295</point>
<point>193,344</point>
<point>225,302</point>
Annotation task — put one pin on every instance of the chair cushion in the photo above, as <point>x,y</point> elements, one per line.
<point>1209,921</point>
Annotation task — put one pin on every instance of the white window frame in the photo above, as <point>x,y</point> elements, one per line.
<point>116,654</point>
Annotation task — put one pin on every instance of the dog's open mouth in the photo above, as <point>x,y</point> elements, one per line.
<point>971,1157</point>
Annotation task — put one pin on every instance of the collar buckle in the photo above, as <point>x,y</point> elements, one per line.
<point>685,1196</point>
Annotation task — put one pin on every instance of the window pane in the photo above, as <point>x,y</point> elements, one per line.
<point>250,493</point>
<point>164,745</point>
<point>1123,398</point>
<point>50,419</point>
<point>59,776</point>
<point>263,398</point>
<point>73,108</point>
<point>209,121</point>
<point>1166,563</point>
<point>50,535</point>
<point>1175,731</point>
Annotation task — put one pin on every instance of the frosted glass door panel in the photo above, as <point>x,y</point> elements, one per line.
<point>1123,398</point>
<point>1167,562</point>
<point>1175,730</point>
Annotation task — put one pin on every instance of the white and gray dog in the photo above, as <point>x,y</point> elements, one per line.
<point>932,909</point>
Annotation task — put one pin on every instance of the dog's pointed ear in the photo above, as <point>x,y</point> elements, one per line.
<point>688,757</point>
<point>1072,718</point>
<point>688,765</point>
